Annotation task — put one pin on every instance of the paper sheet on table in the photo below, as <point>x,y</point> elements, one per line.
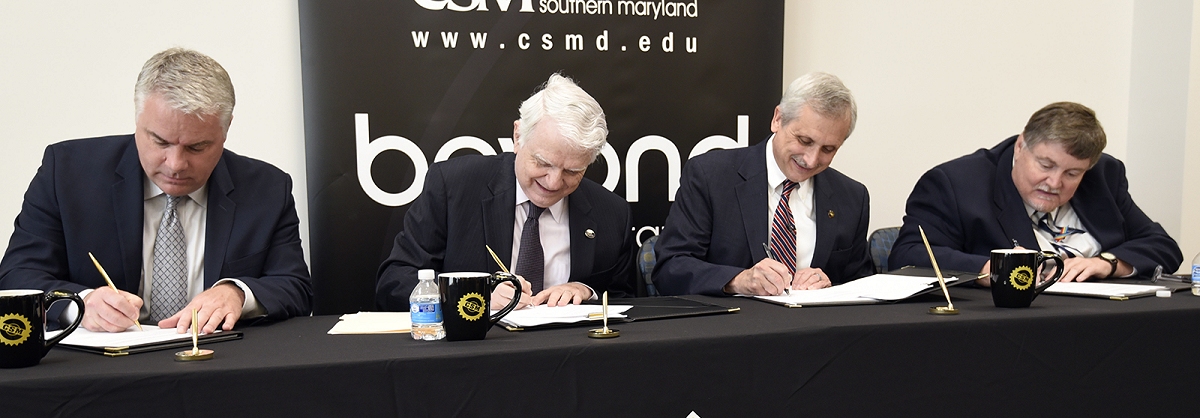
<point>150,334</point>
<point>870,289</point>
<point>544,314</point>
<point>373,323</point>
<point>1098,289</point>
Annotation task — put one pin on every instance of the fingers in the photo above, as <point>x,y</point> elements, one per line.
<point>809,279</point>
<point>106,310</point>
<point>767,278</point>
<point>218,307</point>
<point>562,295</point>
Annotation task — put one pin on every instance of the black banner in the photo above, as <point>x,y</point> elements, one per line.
<point>393,86</point>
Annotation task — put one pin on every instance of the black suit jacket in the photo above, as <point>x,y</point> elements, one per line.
<point>970,206</point>
<point>88,196</point>
<point>718,224</point>
<point>468,203</point>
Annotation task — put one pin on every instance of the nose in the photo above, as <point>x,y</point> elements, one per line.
<point>175,160</point>
<point>1054,180</point>
<point>809,156</point>
<point>554,179</point>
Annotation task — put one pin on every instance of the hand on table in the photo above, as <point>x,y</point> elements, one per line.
<point>219,306</point>
<point>767,278</point>
<point>569,293</point>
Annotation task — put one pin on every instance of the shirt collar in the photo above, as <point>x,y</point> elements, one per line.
<point>556,210</point>
<point>151,190</point>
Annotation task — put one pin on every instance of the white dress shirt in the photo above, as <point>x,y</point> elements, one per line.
<point>555,227</point>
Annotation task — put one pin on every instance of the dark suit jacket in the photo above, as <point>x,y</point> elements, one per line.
<point>970,206</point>
<point>718,224</point>
<point>88,195</point>
<point>468,203</point>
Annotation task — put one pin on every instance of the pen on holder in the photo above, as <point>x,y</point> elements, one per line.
<point>110,284</point>
<point>771,255</point>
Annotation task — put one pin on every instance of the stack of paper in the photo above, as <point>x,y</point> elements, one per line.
<point>1117,291</point>
<point>870,289</point>
<point>544,314</point>
<point>373,323</point>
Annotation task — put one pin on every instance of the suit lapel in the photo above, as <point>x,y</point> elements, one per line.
<point>498,210</point>
<point>128,199</point>
<point>1009,207</point>
<point>752,197</point>
<point>827,226</point>
<point>221,210</point>
<point>582,250</point>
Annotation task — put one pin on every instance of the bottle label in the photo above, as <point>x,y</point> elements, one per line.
<point>425,313</point>
<point>1195,273</point>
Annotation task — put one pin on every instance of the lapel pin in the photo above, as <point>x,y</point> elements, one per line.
<point>831,214</point>
<point>589,233</point>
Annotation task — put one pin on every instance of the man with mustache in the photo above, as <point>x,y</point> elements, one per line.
<point>780,193</point>
<point>1052,188</point>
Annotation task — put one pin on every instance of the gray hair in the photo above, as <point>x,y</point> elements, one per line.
<point>823,93</point>
<point>579,117</point>
<point>188,81</point>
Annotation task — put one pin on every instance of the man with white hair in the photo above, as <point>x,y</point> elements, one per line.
<point>571,238</point>
<point>780,194</point>
<point>178,221</point>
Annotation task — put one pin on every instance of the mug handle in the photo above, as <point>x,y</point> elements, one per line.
<point>57,295</point>
<point>502,277</point>
<point>1043,257</point>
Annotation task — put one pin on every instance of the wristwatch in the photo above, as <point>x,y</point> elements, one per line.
<point>1112,260</point>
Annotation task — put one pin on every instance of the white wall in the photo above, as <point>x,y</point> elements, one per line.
<point>935,79</point>
<point>67,71</point>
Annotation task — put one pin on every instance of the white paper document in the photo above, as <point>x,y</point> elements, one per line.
<point>544,314</point>
<point>1103,290</point>
<point>131,337</point>
<point>373,323</point>
<point>870,289</point>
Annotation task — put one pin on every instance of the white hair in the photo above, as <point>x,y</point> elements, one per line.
<point>578,116</point>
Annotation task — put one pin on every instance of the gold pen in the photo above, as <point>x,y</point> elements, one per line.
<point>497,258</point>
<point>110,284</point>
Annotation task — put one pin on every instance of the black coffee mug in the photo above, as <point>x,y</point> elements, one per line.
<point>1014,276</point>
<point>23,325</point>
<point>467,303</point>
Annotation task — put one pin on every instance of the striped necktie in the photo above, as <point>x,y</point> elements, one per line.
<point>783,230</point>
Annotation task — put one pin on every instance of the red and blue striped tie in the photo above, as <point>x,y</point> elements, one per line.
<point>783,230</point>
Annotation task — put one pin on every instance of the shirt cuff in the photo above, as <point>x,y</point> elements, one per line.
<point>250,307</point>
<point>71,312</point>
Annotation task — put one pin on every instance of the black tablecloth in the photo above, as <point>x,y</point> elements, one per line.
<point>1064,357</point>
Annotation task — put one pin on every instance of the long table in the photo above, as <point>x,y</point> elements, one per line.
<point>1065,356</point>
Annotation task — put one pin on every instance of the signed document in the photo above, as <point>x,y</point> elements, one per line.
<point>871,289</point>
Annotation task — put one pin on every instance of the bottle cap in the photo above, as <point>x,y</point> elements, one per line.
<point>425,274</point>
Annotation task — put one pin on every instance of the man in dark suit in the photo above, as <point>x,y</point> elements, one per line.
<point>781,193</point>
<point>1052,188</point>
<point>178,222</point>
<point>571,238</point>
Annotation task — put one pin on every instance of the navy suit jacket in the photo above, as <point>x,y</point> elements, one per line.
<point>718,224</point>
<point>469,203</point>
<point>88,196</point>
<point>970,206</point>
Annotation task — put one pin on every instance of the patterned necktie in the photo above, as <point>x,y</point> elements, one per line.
<point>783,230</point>
<point>168,287</point>
<point>530,260</point>
<point>1059,235</point>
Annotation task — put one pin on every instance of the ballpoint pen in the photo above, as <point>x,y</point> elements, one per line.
<point>771,255</point>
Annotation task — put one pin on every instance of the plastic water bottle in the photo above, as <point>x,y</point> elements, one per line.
<point>1196,275</point>
<point>425,309</point>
